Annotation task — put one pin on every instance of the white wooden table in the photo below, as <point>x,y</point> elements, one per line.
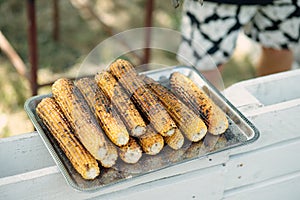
<point>266,169</point>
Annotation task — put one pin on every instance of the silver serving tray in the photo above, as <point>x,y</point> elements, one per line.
<point>240,132</point>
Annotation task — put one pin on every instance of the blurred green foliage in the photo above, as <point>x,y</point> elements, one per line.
<point>13,91</point>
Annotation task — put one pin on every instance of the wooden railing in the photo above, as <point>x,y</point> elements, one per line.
<point>266,169</point>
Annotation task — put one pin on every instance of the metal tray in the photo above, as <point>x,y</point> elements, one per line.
<point>240,132</point>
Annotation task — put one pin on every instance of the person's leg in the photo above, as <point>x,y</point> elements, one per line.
<point>276,28</point>
<point>209,35</point>
<point>274,61</point>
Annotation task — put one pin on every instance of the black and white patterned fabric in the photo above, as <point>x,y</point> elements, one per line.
<point>209,32</point>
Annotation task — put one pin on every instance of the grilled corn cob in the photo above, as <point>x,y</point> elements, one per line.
<point>131,152</point>
<point>146,101</point>
<point>82,121</point>
<point>187,121</point>
<point>176,140</point>
<point>129,113</point>
<point>83,162</point>
<point>151,142</point>
<point>103,109</point>
<point>195,97</point>
<point>111,157</point>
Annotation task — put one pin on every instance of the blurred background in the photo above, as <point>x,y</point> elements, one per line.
<point>67,31</point>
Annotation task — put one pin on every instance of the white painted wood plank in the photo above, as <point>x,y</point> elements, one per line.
<point>9,180</point>
<point>275,108</point>
<point>48,185</point>
<point>23,153</point>
<point>197,164</point>
<point>274,127</point>
<point>251,95</point>
<point>192,185</point>
<point>263,164</point>
<point>285,90</point>
<point>52,186</point>
<point>277,188</point>
<point>241,98</point>
<point>256,82</point>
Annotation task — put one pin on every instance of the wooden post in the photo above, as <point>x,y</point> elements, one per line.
<point>32,43</point>
<point>12,55</point>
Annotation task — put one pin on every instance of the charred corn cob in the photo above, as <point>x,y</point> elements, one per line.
<point>176,140</point>
<point>195,97</point>
<point>131,152</point>
<point>111,157</point>
<point>188,122</point>
<point>151,142</point>
<point>103,109</point>
<point>129,113</point>
<point>146,101</point>
<point>82,121</point>
<point>83,162</point>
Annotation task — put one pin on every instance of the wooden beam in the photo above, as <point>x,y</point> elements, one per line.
<point>32,43</point>
<point>148,23</point>
<point>12,55</point>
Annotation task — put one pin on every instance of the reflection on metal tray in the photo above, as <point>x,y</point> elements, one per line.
<point>240,132</point>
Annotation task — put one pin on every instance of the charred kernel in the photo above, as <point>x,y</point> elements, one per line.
<point>200,103</point>
<point>131,152</point>
<point>188,122</point>
<point>126,108</point>
<point>52,116</point>
<point>151,142</point>
<point>82,121</point>
<point>145,99</point>
<point>109,120</point>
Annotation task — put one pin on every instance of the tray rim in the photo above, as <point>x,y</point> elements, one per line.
<point>58,161</point>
